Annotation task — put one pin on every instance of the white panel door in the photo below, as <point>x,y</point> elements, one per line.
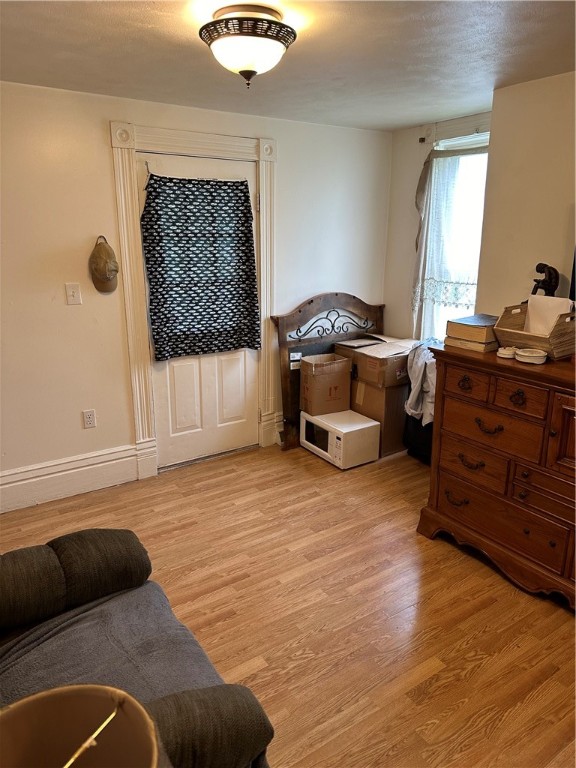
<point>205,404</point>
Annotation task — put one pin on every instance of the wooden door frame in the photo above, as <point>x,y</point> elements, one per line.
<point>127,140</point>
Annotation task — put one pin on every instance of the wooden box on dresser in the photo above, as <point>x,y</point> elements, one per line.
<point>503,465</point>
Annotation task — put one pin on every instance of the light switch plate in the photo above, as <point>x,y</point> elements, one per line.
<point>73,295</point>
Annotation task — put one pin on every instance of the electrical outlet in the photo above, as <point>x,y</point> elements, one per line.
<point>89,418</point>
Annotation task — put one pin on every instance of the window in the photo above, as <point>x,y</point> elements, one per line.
<point>450,200</point>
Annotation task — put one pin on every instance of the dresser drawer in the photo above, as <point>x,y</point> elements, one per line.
<point>544,503</point>
<point>471,384</point>
<point>521,398</point>
<point>478,465</point>
<point>562,435</point>
<point>542,481</point>
<point>510,434</point>
<point>518,529</point>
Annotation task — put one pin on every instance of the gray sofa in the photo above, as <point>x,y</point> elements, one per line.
<point>81,610</point>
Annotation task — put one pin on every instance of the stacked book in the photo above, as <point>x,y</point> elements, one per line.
<point>475,332</point>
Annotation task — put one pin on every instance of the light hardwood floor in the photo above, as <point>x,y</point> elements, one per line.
<point>369,645</point>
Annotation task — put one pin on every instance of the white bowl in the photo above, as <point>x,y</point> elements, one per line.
<point>534,356</point>
<point>508,352</point>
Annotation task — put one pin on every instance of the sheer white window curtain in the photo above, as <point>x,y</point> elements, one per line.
<point>450,200</point>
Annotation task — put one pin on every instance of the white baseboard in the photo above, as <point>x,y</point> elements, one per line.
<point>27,486</point>
<point>270,427</point>
<point>35,484</point>
<point>146,458</point>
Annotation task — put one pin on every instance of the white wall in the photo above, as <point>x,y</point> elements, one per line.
<point>408,155</point>
<point>58,196</point>
<point>410,148</point>
<point>529,210</point>
<point>332,212</point>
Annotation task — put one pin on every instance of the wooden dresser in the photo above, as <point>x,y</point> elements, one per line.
<point>503,465</point>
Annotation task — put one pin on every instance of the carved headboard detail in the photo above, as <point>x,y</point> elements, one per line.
<point>312,329</point>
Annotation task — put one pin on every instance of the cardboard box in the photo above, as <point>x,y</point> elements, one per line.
<point>349,348</point>
<point>385,405</point>
<point>325,384</point>
<point>382,365</point>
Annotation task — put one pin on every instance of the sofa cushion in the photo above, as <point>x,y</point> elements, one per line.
<point>39,582</point>
<point>99,561</point>
<point>129,640</point>
<point>32,586</point>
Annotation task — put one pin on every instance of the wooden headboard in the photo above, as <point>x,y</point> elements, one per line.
<point>312,329</point>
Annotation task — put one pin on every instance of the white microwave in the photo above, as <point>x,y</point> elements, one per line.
<point>345,439</point>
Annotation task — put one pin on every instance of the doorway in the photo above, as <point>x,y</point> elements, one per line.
<point>128,141</point>
<point>203,404</point>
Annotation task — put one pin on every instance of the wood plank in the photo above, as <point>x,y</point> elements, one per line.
<point>369,645</point>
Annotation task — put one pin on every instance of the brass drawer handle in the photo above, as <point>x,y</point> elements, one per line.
<point>470,464</point>
<point>465,384</point>
<point>487,430</point>
<point>456,502</point>
<point>518,397</point>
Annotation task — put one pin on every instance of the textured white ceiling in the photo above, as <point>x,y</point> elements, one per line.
<point>380,65</point>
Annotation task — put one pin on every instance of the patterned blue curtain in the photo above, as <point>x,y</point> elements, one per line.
<point>200,263</point>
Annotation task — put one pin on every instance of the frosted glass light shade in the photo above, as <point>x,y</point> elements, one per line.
<point>246,39</point>
<point>252,54</point>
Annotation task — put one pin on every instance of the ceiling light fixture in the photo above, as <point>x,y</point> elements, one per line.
<point>248,39</point>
